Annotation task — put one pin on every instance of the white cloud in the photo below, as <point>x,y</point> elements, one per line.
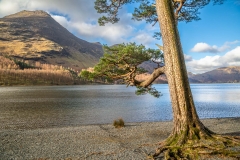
<point>143,37</point>
<point>80,18</point>
<point>9,7</point>
<point>187,57</point>
<point>233,42</point>
<point>112,33</point>
<point>204,47</point>
<point>231,58</point>
<point>61,20</point>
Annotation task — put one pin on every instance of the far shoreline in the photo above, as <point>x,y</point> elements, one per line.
<point>204,120</point>
<point>94,84</point>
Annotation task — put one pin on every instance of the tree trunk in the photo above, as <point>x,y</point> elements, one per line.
<point>185,117</point>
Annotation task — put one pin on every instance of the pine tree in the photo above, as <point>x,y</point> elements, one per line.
<point>189,137</point>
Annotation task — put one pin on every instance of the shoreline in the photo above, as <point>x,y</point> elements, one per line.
<point>25,128</point>
<point>101,141</point>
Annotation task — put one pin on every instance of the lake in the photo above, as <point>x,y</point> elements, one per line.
<point>58,106</point>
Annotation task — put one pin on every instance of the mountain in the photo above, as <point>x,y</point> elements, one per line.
<point>221,75</point>
<point>36,36</point>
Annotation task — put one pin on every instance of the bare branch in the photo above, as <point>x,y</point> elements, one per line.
<point>156,73</point>
<point>156,20</point>
<point>178,4</point>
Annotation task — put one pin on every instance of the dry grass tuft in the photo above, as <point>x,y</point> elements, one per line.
<point>118,123</point>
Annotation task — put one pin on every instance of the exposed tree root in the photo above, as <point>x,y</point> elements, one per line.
<point>191,148</point>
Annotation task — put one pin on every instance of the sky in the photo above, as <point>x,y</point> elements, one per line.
<point>210,43</point>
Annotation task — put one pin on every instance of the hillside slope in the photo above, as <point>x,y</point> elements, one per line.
<point>221,75</point>
<point>36,36</point>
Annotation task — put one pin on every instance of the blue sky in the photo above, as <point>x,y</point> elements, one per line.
<point>218,24</point>
<point>210,43</point>
<point>214,39</point>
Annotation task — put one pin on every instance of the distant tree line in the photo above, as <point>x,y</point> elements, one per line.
<point>17,72</point>
<point>6,63</point>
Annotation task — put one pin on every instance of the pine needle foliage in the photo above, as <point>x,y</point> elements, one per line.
<point>121,62</point>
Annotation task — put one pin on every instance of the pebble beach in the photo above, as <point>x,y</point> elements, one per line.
<point>103,141</point>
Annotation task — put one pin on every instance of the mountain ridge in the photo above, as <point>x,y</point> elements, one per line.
<point>26,13</point>
<point>36,36</point>
<point>220,75</point>
<point>229,74</point>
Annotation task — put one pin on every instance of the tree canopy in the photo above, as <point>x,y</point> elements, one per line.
<point>185,10</point>
<point>122,62</point>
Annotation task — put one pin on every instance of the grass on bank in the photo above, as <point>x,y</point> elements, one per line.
<point>118,123</point>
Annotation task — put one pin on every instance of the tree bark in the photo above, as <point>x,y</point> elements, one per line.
<point>184,113</point>
<point>156,73</point>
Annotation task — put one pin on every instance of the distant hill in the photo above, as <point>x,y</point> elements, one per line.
<point>220,75</point>
<point>150,66</point>
<point>36,36</point>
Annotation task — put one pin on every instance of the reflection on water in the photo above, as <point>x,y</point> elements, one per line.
<point>216,92</point>
<point>50,106</point>
<point>217,100</point>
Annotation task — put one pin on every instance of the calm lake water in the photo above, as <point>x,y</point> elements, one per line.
<point>56,106</point>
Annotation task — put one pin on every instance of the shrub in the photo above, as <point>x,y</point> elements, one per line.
<point>118,123</point>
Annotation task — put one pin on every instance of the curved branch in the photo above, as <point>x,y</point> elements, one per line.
<point>156,73</point>
<point>178,9</point>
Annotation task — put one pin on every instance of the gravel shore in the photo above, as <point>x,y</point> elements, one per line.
<point>132,142</point>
